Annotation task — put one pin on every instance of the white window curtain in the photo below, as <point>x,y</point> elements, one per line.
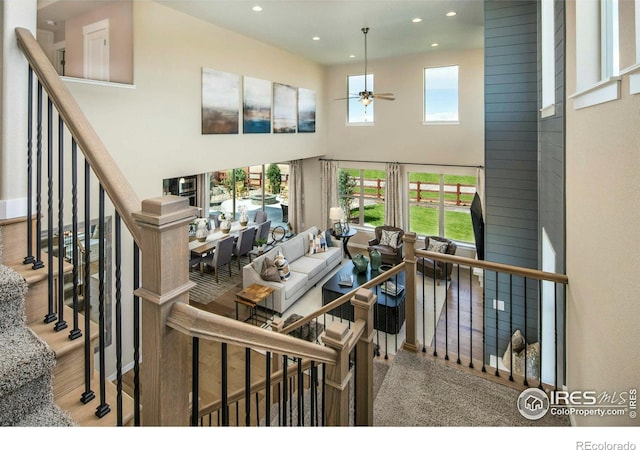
<point>203,197</point>
<point>393,197</point>
<point>329,189</point>
<point>295,195</point>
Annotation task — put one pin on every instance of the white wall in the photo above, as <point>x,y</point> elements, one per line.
<point>398,133</point>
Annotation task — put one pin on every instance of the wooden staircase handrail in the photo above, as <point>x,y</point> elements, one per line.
<point>204,325</point>
<point>494,266</point>
<point>343,299</point>
<point>104,166</point>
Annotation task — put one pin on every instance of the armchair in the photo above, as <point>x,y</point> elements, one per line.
<point>437,269</point>
<point>390,249</point>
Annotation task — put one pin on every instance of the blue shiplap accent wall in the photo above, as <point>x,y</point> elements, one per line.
<point>511,164</point>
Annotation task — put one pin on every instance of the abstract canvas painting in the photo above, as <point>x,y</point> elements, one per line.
<point>284,108</point>
<point>220,102</point>
<point>256,106</point>
<point>306,111</point>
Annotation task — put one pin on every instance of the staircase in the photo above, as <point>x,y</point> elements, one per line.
<point>41,370</point>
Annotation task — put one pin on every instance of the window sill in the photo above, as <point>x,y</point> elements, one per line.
<point>548,111</point>
<point>602,92</point>
<point>98,83</point>
<point>634,78</point>
<point>359,124</point>
<point>436,122</point>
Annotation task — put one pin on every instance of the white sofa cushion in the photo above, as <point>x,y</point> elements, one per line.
<point>309,266</point>
<point>296,282</point>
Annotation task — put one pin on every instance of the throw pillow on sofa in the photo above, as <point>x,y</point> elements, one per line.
<point>389,238</point>
<point>269,271</point>
<point>437,246</point>
<point>283,267</point>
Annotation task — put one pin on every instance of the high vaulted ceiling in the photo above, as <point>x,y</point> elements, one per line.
<point>292,24</point>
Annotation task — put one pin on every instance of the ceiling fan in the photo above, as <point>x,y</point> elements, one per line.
<point>366,96</point>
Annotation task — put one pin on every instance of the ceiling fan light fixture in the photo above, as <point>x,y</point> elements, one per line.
<point>366,101</point>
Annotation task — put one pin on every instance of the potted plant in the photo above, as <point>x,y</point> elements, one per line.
<point>244,215</point>
<point>261,242</point>
<point>225,224</point>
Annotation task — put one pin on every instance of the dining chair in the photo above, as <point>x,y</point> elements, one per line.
<point>223,254</point>
<point>260,216</point>
<point>244,244</point>
<point>263,232</point>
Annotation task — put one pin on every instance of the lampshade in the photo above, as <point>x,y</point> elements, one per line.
<point>335,213</point>
<point>365,101</point>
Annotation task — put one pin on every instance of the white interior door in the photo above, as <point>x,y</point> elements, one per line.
<point>96,51</point>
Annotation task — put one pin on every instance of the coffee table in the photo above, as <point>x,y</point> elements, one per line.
<point>389,311</point>
<point>251,297</point>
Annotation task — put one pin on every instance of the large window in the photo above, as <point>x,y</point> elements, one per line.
<point>361,193</point>
<point>356,111</point>
<point>441,94</point>
<point>439,205</point>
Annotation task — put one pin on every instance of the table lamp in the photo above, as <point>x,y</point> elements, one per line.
<point>336,215</point>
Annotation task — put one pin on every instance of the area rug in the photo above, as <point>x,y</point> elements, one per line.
<point>207,290</point>
<point>421,392</point>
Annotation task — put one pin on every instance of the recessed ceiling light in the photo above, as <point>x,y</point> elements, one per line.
<point>352,56</point>
<point>435,44</point>
<point>417,20</point>
<point>50,22</point>
<point>257,8</point>
<point>451,13</point>
<point>316,38</point>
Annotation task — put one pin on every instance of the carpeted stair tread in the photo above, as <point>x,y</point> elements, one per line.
<point>24,357</point>
<point>12,291</point>
<point>32,396</point>
<point>49,415</point>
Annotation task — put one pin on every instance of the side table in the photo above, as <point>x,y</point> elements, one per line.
<point>251,297</point>
<point>345,236</point>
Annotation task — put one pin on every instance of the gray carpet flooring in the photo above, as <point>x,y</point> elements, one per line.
<point>420,392</point>
<point>207,290</point>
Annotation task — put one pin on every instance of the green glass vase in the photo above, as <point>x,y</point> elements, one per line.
<point>376,259</point>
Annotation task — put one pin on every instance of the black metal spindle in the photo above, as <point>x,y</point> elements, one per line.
<point>38,264</point>
<point>323,397</point>
<point>496,308</point>
<point>540,324</point>
<point>195,381</point>
<point>257,409</point>
<point>470,317</point>
<point>118,318</point>
<point>224,385</point>
<point>51,316</point>
<point>136,337</point>
<point>267,396</point>
<point>484,322</point>
<point>555,334</point>
<point>75,333</point>
<point>446,314</point>
<point>386,320</point>
<point>312,393</point>
<point>435,334</point>
<point>526,383</point>
<point>458,361</point>
<point>355,387</point>
<point>424,310</point>
<point>247,386</point>
<point>103,409</point>
<point>300,395</point>
<point>61,324</point>
<point>511,328</point>
<point>29,259</point>
<point>88,394</point>
<point>284,390</point>
<point>291,402</point>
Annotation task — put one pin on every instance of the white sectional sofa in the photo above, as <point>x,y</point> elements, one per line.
<point>305,269</point>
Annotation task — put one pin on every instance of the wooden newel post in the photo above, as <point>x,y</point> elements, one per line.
<point>411,340</point>
<point>166,362</point>
<point>363,303</point>
<point>338,376</point>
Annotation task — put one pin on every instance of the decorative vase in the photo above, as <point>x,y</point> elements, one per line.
<point>244,219</point>
<point>225,226</point>
<point>360,262</point>
<point>376,259</point>
<point>202,231</point>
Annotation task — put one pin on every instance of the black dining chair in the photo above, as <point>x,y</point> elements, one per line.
<point>223,254</point>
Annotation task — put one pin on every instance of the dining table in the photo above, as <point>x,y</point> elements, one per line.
<point>202,249</point>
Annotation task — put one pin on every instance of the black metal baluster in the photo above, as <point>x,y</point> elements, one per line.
<point>386,320</point>
<point>29,259</point>
<point>61,324</point>
<point>323,396</point>
<point>291,403</point>
<point>555,335</point>
<point>424,311</point>
<point>247,386</point>
<point>470,317</point>
<point>103,409</point>
<point>195,381</point>
<point>38,264</point>
<point>540,330</point>
<point>484,322</point>
<point>446,314</point>
<point>279,404</point>
<point>267,396</point>
<point>355,388</point>
<point>257,410</point>
<point>118,271</point>
<point>312,393</point>
<point>51,316</point>
<point>511,328</point>
<point>495,307</point>
<point>136,336</point>
<point>284,390</point>
<point>435,323</point>
<point>458,361</point>
<point>526,383</point>
<point>225,386</point>
<point>75,333</point>
<point>88,394</point>
<point>300,395</point>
